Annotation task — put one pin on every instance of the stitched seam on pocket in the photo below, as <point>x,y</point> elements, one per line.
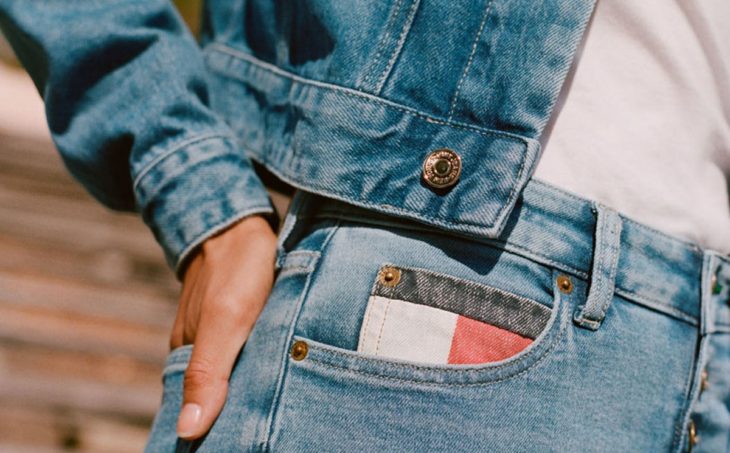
<point>545,354</point>
<point>284,353</point>
<point>175,368</point>
<point>561,317</point>
<point>177,359</point>
<point>382,326</point>
<point>478,301</point>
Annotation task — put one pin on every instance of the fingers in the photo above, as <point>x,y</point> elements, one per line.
<point>220,335</point>
<point>176,337</point>
<point>224,291</point>
<point>189,283</point>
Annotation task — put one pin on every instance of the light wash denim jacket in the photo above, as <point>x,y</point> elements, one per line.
<point>345,98</point>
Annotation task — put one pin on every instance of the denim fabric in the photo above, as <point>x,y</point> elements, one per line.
<point>463,297</point>
<point>344,98</point>
<point>629,380</point>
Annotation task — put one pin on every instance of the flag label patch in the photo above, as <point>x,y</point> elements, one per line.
<point>423,316</point>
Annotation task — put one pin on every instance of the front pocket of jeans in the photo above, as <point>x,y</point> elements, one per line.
<point>177,361</point>
<point>424,316</point>
<point>334,309</point>
<point>163,436</point>
<point>329,358</point>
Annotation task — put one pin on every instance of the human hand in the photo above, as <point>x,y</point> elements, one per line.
<point>224,290</point>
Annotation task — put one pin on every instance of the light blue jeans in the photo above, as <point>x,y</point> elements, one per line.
<point>610,336</point>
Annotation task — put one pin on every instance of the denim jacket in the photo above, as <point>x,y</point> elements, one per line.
<point>344,98</point>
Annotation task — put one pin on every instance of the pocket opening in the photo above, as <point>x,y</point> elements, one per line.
<point>177,359</point>
<point>326,358</point>
<point>421,315</point>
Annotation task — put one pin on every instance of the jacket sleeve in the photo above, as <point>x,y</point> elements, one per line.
<point>124,85</point>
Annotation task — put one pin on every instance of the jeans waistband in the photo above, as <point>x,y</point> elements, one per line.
<point>558,228</point>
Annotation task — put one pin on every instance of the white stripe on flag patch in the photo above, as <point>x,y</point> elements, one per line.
<point>403,330</point>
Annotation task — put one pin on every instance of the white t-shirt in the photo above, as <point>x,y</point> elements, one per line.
<point>644,125</point>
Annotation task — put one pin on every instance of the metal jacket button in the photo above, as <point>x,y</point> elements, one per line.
<point>442,168</point>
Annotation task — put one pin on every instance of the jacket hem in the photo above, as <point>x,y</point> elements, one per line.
<point>366,150</point>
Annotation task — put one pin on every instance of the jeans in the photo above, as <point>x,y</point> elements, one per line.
<point>576,330</point>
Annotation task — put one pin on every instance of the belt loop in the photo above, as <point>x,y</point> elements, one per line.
<point>606,249</point>
<point>710,265</point>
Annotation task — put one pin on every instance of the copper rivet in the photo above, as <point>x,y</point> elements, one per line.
<point>390,276</point>
<point>442,168</point>
<point>565,284</point>
<point>704,383</point>
<point>692,435</point>
<point>299,350</point>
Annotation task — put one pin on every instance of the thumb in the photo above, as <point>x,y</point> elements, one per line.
<point>217,344</point>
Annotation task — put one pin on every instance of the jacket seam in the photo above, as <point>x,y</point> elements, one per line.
<point>381,44</point>
<point>413,214</point>
<point>490,226</point>
<point>163,155</point>
<point>399,47</point>
<point>235,53</point>
<point>465,72</point>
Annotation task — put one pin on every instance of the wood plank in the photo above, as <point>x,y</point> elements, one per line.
<point>83,333</point>
<point>41,430</point>
<point>41,185</point>
<point>29,429</point>
<point>60,205</point>
<point>107,269</point>
<point>86,235</point>
<point>108,435</point>
<point>112,368</point>
<point>83,299</point>
<point>86,306</point>
<point>38,155</point>
<point>40,391</point>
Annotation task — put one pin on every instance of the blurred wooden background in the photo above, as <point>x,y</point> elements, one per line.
<point>86,301</point>
<point>86,304</point>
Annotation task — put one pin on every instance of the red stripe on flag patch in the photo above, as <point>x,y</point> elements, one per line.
<point>479,342</point>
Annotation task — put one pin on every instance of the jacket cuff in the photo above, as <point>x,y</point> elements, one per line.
<point>196,190</point>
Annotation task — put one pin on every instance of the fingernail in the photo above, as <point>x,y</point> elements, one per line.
<point>187,423</point>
